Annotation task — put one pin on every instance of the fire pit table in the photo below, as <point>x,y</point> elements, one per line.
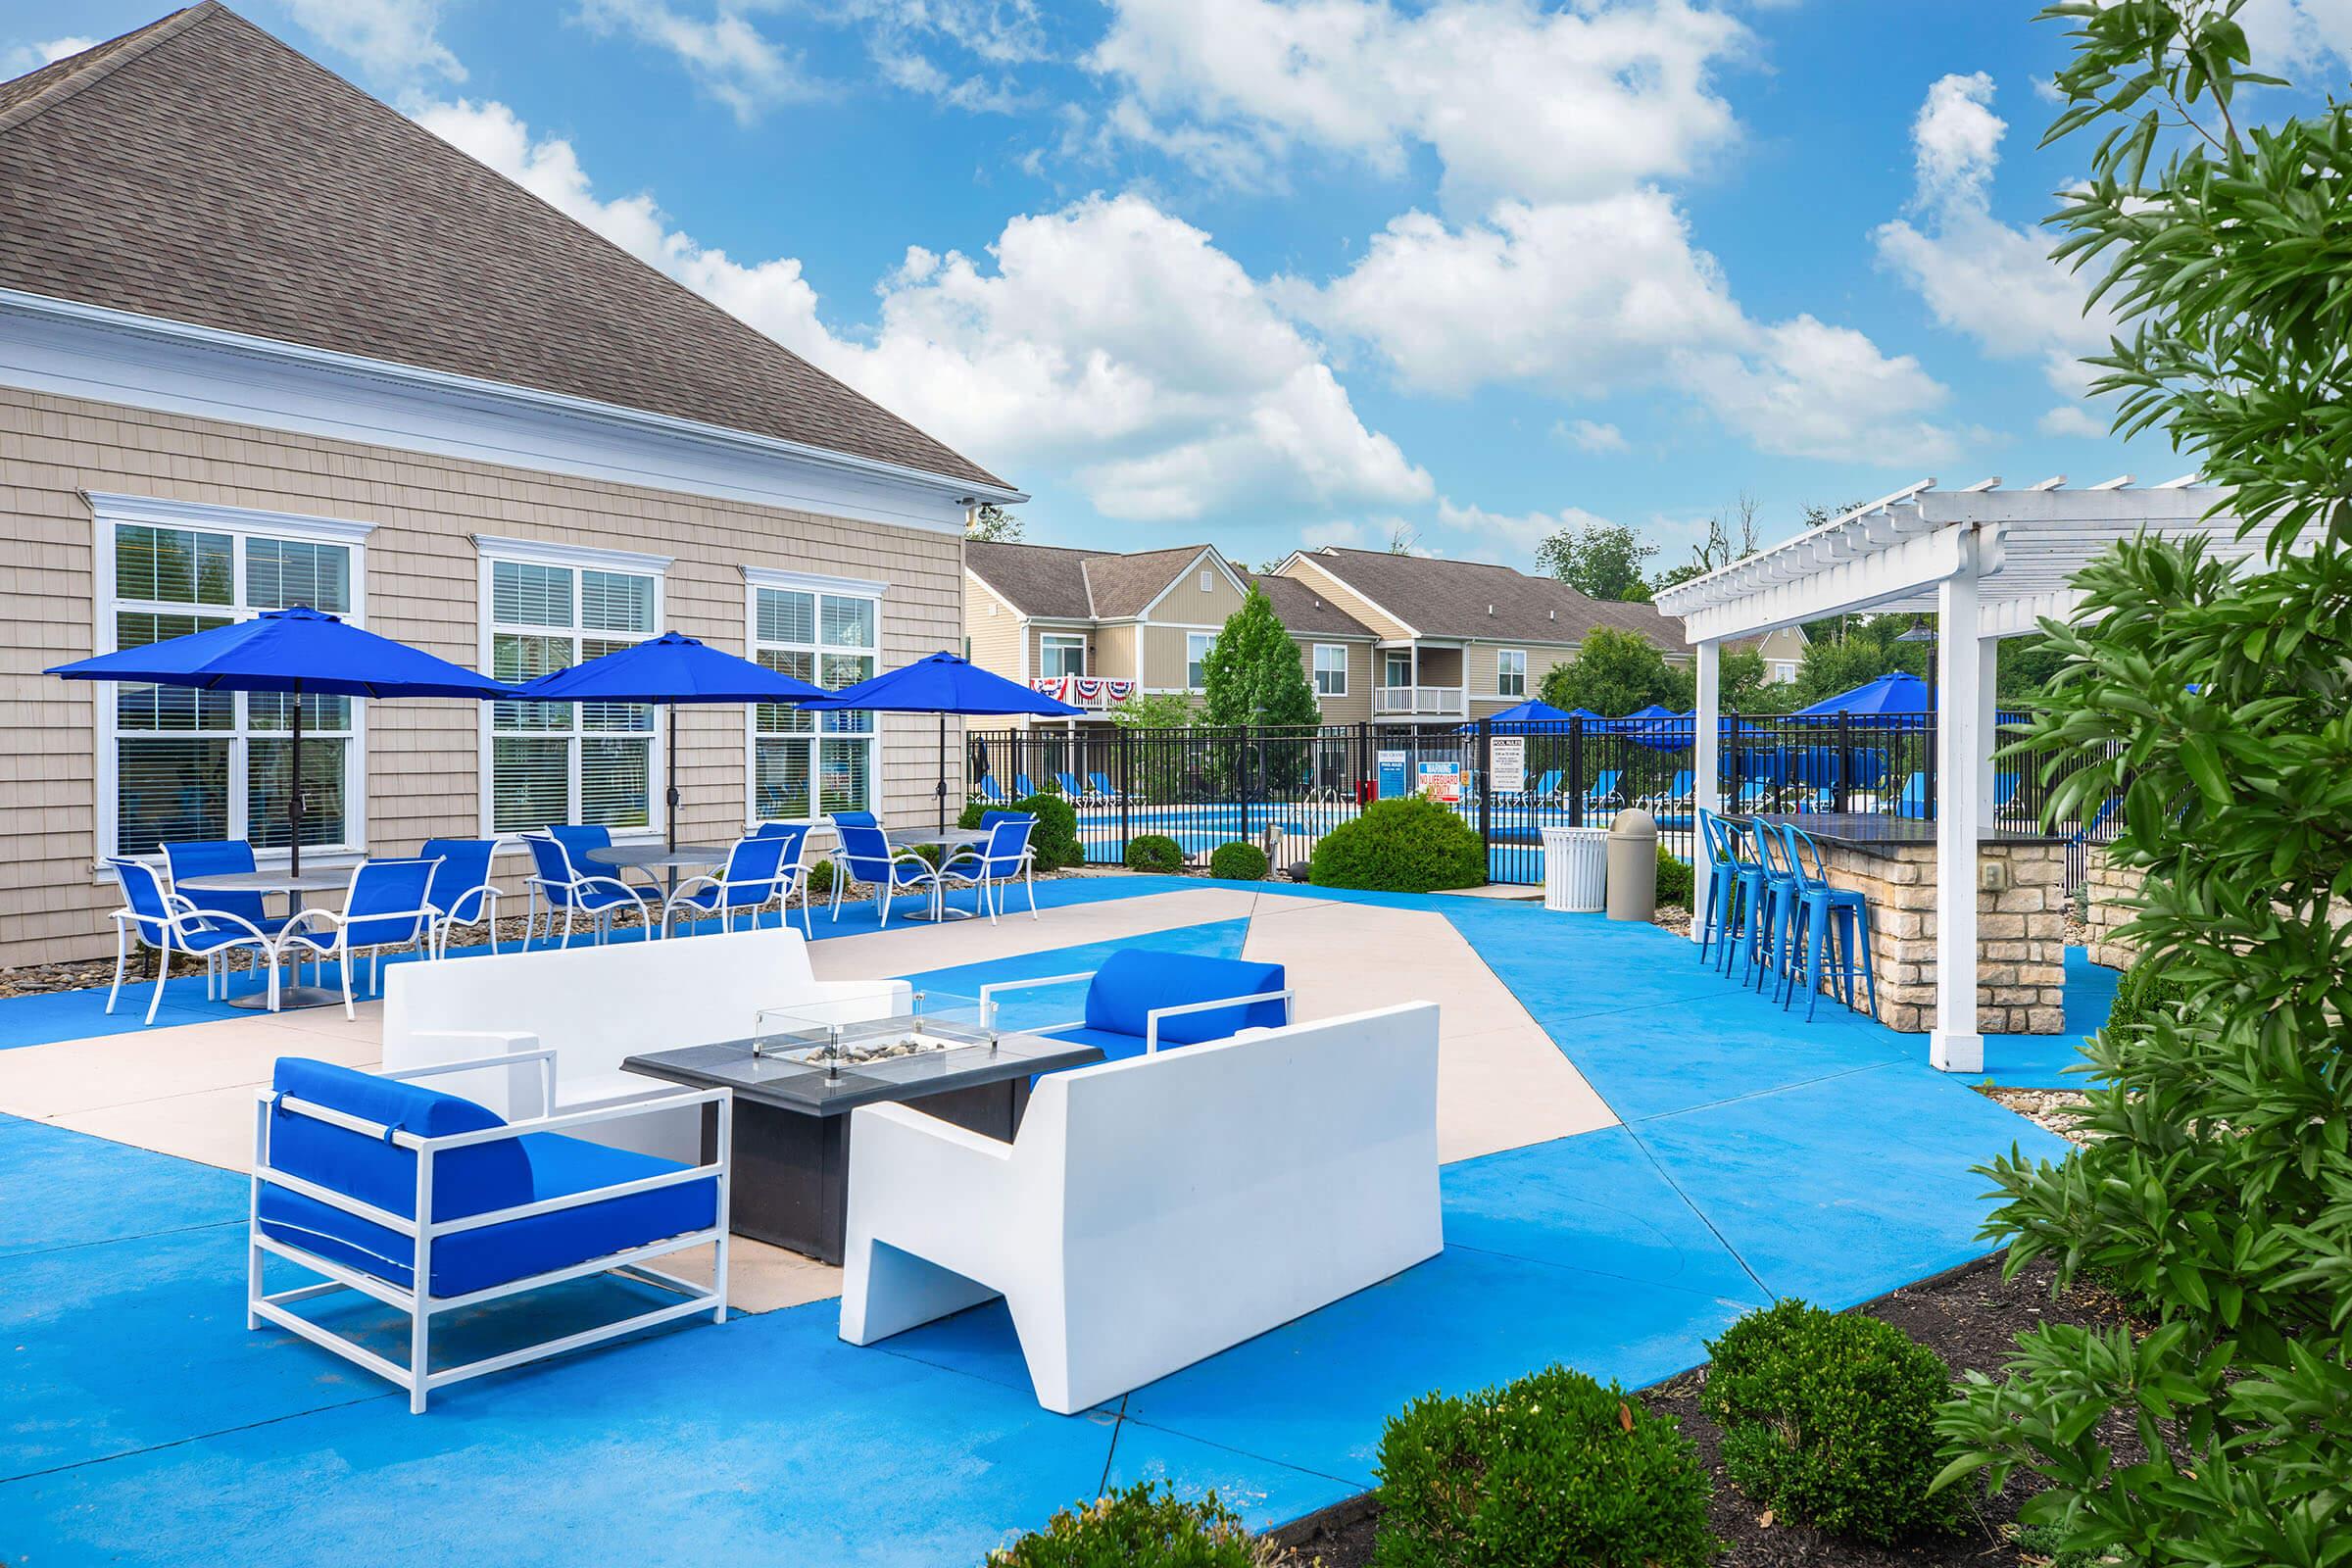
<point>800,1074</point>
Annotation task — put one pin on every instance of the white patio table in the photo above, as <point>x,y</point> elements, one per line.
<point>949,840</point>
<point>293,884</point>
<point>666,858</point>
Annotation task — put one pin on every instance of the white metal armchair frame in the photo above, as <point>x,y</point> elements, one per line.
<point>302,931</point>
<point>780,887</point>
<point>566,896</point>
<point>922,877</point>
<point>979,870</point>
<point>180,916</point>
<point>418,1303</point>
<point>989,993</point>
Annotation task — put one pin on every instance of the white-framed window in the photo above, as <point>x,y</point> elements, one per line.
<point>1061,654</point>
<point>826,631</point>
<point>1197,645</point>
<point>1397,666</point>
<point>1208,580</point>
<point>1510,673</point>
<point>546,607</point>
<point>1331,669</point>
<point>178,763</point>
<point>1783,671</point>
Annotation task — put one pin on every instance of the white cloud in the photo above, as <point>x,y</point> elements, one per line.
<point>1590,436</point>
<point>18,59</point>
<point>1513,97</point>
<point>1979,276</point>
<point>2071,420</point>
<point>1521,531</point>
<point>2285,35</point>
<point>727,57</point>
<point>392,40</point>
<point>1107,339</point>
<point>1590,298</point>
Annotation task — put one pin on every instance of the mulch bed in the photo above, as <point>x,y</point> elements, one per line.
<point>1969,1316</point>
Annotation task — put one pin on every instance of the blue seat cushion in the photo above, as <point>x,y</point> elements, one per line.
<point>1135,981</point>
<point>497,1254</point>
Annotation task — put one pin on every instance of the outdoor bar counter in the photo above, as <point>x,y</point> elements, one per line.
<point>2021,915</point>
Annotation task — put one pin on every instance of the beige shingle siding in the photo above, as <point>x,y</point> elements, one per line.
<point>993,629</point>
<point>422,577</point>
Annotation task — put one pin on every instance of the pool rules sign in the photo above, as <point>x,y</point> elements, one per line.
<point>1508,754</point>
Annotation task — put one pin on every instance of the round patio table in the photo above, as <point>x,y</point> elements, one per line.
<point>667,858</point>
<point>948,838</point>
<point>293,885</point>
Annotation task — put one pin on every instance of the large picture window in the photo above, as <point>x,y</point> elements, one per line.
<point>807,765</point>
<point>567,761</point>
<point>182,763</point>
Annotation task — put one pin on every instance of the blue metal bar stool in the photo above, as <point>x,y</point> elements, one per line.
<point>1829,913</point>
<point>1723,882</point>
<point>1777,908</point>
<point>1747,905</point>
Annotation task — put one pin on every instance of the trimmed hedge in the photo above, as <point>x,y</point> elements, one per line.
<point>1411,845</point>
<point>1238,863</point>
<point>1142,1527</point>
<point>1829,1419</point>
<point>1673,879</point>
<point>1056,839</point>
<point>1552,1469</point>
<point>1154,851</point>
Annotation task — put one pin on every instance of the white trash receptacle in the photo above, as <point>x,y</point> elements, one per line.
<point>1576,869</point>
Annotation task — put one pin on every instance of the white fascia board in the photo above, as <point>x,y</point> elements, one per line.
<point>83,351</point>
<point>1921,559</point>
<point>1410,631</point>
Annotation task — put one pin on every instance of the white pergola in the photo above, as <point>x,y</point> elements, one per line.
<point>1989,563</point>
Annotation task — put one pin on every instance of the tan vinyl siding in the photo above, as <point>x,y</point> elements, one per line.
<point>1164,661</point>
<point>993,629</point>
<point>422,758</point>
<point>1115,652</point>
<point>1356,705</point>
<point>1347,599</point>
<point>1186,604</point>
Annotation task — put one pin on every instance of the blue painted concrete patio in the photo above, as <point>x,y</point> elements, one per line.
<point>1758,1156</point>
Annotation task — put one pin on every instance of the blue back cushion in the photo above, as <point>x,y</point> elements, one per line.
<point>1132,981</point>
<point>465,1180</point>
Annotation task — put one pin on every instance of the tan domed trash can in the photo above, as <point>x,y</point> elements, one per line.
<point>1633,865</point>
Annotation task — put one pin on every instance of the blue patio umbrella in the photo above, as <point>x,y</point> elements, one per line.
<point>1895,692</point>
<point>943,684</point>
<point>1530,712</point>
<point>670,669</point>
<point>298,652</point>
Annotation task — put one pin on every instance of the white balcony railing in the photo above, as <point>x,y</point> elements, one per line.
<point>1441,701</point>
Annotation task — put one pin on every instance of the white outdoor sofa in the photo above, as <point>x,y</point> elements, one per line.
<point>1157,1211</point>
<point>596,1007</point>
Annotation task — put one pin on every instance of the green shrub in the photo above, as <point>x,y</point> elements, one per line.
<point>1829,1419</point>
<point>1055,838</point>
<point>1238,863</point>
<point>1411,845</point>
<point>1154,851</point>
<point>820,881</point>
<point>2144,995</point>
<point>1552,1469</point>
<point>1673,879</point>
<point>1142,1527</point>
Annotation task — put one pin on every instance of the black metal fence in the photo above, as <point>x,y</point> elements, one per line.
<point>1283,789</point>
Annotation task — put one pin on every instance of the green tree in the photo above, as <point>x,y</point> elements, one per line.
<point>1742,685</point>
<point>1615,672</point>
<point>1602,560</point>
<point>1154,711</point>
<point>1730,537</point>
<point>1252,675</point>
<point>992,524</point>
<point>1868,650</point>
<point>2216,1188</point>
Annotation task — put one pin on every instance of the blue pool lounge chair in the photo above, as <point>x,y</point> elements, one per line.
<point>345,1162</point>
<point>1103,789</point>
<point>989,791</point>
<point>1603,791</point>
<point>1022,789</point>
<point>1140,1000</point>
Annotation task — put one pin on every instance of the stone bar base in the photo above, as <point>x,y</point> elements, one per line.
<point>2020,932</point>
<point>2111,886</point>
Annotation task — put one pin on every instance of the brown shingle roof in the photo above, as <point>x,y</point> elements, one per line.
<point>200,170</point>
<point>1305,612</point>
<point>1034,579</point>
<point>1122,585</point>
<point>1442,598</point>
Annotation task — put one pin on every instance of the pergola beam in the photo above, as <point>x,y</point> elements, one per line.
<point>1916,559</point>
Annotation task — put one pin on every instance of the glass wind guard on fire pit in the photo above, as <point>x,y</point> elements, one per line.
<point>898,1043</point>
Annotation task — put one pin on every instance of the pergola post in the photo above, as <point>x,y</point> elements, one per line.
<point>1954,1044</point>
<point>1705,769</point>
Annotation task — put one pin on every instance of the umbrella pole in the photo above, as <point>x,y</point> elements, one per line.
<point>294,794</point>
<point>669,795</point>
<point>943,771</point>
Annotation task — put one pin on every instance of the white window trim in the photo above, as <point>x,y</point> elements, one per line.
<point>755,578</point>
<point>1521,693</point>
<point>490,549</point>
<point>1315,672</point>
<point>1048,637</point>
<point>1210,642</point>
<point>108,509</point>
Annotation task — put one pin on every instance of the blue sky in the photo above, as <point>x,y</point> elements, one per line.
<point>1267,273</point>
